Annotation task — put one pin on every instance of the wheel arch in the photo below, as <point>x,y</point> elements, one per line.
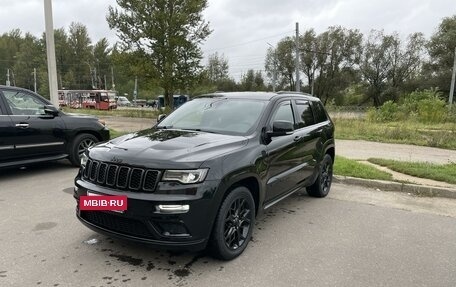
<point>251,182</point>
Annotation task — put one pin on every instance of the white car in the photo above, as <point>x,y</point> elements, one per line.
<point>123,102</point>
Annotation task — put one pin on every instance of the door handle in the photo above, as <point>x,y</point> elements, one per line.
<point>22,125</point>
<point>297,138</point>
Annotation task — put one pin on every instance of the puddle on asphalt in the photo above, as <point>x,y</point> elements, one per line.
<point>44,226</point>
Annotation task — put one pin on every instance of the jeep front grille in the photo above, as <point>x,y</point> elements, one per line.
<point>121,176</point>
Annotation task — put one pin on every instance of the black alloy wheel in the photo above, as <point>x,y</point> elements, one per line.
<point>79,146</point>
<point>237,224</point>
<point>322,185</point>
<point>233,225</point>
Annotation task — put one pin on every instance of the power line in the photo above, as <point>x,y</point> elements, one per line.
<point>246,43</point>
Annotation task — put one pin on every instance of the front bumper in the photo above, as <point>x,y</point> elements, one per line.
<point>144,222</point>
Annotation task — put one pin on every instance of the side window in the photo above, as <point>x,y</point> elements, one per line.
<point>305,115</point>
<point>284,112</point>
<point>319,112</point>
<point>22,103</point>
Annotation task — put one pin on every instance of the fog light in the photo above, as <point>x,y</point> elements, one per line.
<point>172,208</point>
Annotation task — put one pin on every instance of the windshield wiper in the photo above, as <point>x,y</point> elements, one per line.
<point>164,127</point>
<point>200,130</point>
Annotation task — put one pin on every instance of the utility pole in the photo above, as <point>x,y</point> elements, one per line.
<point>135,92</point>
<point>8,83</point>
<point>14,77</point>
<point>95,76</point>
<point>105,86</point>
<point>50,48</point>
<point>452,80</point>
<point>34,79</point>
<point>113,86</point>
<point>314,60</point>
<point>297,84</point>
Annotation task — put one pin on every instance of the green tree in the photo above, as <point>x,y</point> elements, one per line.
<point>9,46</point>
<point>336,56</point>
<point>248,81</point>
<point>81,56</point>
<point>441,50</point>
<point>281,60</point>
<point>376,63</point>
<point>166,36</point>
<point>28,57</point>
<point>387,64</point>
<point>217,67</point>
<point>102,60</point>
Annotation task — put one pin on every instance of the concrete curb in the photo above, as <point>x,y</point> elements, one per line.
<point>419,190</point>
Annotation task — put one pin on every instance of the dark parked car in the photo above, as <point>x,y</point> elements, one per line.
<point>32,130</point>
<point>202,175</point>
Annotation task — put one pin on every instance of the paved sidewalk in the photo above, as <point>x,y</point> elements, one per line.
<point>362,150</point>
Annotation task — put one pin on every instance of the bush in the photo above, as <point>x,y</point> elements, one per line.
<point>386,113</point>
<point>424,106</point>
<point>432,110</point>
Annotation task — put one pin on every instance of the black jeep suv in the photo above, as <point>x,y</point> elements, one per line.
<point>32,130</point>
<point>201,176</point>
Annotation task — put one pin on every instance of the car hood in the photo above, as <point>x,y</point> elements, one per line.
<point>167,148</point>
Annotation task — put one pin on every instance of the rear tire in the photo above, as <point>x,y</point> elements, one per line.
<point>322,185</point>
<point>233,225</point>
<point>79,145</point>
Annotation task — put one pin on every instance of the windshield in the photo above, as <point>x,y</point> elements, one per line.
<point>218,115</point>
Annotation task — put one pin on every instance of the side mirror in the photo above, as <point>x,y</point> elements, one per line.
<point>281,128</point>
<point>161,117</point>
<point>51,110</point>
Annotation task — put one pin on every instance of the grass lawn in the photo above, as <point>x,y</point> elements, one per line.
<point>347,167</point>
<point>433,135</point>
<point>446,172</point>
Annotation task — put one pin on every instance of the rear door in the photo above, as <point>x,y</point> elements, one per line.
<point>36,134</point>
<point>307,138</point>
<point>6,134</point>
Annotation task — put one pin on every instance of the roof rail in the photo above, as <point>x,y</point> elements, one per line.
<point>292,92</point>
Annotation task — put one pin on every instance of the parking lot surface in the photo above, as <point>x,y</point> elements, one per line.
<point>354,237</point>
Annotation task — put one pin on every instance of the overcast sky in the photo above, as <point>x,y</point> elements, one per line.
<point>242,28</point>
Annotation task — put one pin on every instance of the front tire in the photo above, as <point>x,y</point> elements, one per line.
<point>322,185</point>
<point>233,225</point>
<point>79,145</point>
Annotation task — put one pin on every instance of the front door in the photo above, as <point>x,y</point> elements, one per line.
<point>6,134</point>
<point>36,134</point>
<point>283,156</point>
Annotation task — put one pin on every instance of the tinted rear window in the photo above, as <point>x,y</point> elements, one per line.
<point>319,112</point>
<point>305,115</point>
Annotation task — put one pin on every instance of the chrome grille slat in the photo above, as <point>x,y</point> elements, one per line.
<point>121,177</point>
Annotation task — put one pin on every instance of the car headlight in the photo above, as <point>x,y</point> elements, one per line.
<point>84,159</point>
<point>185,176</point>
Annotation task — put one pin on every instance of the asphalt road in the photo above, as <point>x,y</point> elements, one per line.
<point>354,237</point>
